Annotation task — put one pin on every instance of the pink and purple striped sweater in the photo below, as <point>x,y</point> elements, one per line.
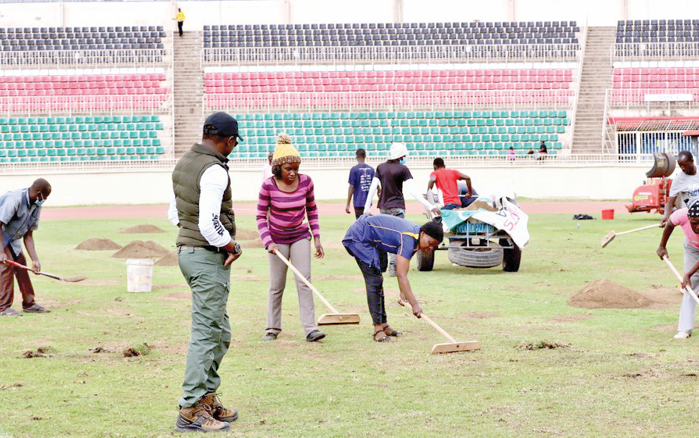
<point>280,215</point>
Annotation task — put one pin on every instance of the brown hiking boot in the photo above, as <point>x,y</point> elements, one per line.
<point>198,419</point>
<point>216,408</point>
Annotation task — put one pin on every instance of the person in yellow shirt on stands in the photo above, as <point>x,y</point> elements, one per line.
<point>180,20</point>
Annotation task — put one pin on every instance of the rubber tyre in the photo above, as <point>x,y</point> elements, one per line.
<point>481,257</point>
<point>425,260</point>
<point>511,259</point>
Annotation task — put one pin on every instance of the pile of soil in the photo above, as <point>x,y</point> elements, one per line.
<point>257,243</point>
<point>95,244</point>
<point>169,260</point>
<point>246,234</point>
<point>140,249</point>
<point>605,294</point>
<point>143,229</point>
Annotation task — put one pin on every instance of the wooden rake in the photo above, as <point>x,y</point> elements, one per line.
<point>334,318</point>
<point>46,274</point>
<point>453,346</point>
<point>688,288</point>
<point>609,237</point>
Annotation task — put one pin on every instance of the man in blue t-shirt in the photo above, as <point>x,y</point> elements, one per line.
<point>360,179</point>
<point>368,240</point>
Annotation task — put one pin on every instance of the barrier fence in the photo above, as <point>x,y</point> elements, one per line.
<point>296,101</point>
<point>118,104</point>
<point>654,51</point>
<point>82,58</point>
<point>388,54</point>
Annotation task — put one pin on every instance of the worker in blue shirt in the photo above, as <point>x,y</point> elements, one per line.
<point>369,239</point>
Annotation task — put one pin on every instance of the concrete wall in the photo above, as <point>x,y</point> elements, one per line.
<point>596,12</point>
<point>154,187</point>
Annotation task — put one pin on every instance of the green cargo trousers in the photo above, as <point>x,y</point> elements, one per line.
<point>211,331</point>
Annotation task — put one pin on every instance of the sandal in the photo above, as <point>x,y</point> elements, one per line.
<point>381,338</point>
<point>390,332</point>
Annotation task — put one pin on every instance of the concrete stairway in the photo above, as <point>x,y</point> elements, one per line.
<point>596,79</point>
<point>188,90</point>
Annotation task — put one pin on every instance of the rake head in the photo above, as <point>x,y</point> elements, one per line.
<point>608,239</point>
<point>338,319</point>
<point>456,347</point>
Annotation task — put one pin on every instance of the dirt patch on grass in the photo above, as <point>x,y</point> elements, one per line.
<point>542,345</point>
<point>96,244</point>
<point>98,283</point>
<point>141,249</point>
<point>479,315</point>
<point>167,286</point>
<point>339,277</point>
<point>169,260</point>
<point>40,352</point>
<point>570,318</point>
<point>247,277</point>
<point>241,234</point>
<point>177,296</point>
<point>605,294</point>
<point>143,229</point>
<point>257,243</point>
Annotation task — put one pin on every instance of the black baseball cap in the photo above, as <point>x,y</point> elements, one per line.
<point>222,124</point>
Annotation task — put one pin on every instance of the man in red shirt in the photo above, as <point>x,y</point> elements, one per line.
<point>448,182</point>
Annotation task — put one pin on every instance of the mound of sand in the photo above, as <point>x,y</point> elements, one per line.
<point>143,229</point>
<point>140,249</point>
<point>169,260</point>
<point>257,243</point>
<point>95,244</point>
<point>605,294</point>
<point>246,234</point>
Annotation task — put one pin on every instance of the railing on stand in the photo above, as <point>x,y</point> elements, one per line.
<point>654,51</point>
<point>96,104</point>
<point>609,137</point>
<point>578,81</point>
<point>83,58</point>
<point>388,54</point>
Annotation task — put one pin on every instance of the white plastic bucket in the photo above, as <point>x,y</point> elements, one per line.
<point>139,275</point>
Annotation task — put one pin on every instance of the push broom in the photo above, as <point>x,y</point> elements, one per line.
<point>453,345</point>
<point>334,318</point>
<point>688,288</point>
<point>609,237</point>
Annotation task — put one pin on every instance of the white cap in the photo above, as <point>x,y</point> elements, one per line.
<point>398,150</point>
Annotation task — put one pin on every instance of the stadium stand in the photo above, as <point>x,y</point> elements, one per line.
<point>456,133</point>
<point>451,105</point>
<point>84,94</point>
<point>44,139</point>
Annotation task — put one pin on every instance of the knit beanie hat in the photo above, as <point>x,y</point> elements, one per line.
<point>285,152</point>
<point>434,229</point>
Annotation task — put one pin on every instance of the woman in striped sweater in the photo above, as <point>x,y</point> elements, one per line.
<point>285,199</point>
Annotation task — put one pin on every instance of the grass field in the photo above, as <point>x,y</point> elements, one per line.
<point>621,376</point>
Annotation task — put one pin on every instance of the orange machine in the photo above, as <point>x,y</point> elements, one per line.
<point>654,193</point>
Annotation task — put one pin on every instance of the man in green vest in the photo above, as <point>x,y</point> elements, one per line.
<point>203,210</point>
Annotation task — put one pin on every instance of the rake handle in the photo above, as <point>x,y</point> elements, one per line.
<point>647,227</point>
<point>432,323</point>
<point>308,283</point>
<point>687,289</point>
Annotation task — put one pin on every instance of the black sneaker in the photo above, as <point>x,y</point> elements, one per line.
<point>270,336</point>
<point>315,336</point>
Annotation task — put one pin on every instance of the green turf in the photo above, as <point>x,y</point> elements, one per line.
<point>622,375</point>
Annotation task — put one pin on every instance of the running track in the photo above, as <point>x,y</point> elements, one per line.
<point>149,211</point>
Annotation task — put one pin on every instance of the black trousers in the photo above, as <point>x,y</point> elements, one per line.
<point>374,291</point>
<point>179,26</point>
<point>358,211</point>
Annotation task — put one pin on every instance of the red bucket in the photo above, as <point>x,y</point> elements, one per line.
<point>607,215</point>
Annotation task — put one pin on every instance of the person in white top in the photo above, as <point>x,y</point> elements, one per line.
<point>267,168</point>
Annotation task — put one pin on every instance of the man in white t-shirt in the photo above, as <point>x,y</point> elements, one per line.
<point>685,185</point>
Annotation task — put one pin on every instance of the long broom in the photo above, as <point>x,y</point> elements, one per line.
<point>453,346</point>
<point>46,274</point>
<point>334,318</point>
<point>688,288</point>
<point>609,237</point>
